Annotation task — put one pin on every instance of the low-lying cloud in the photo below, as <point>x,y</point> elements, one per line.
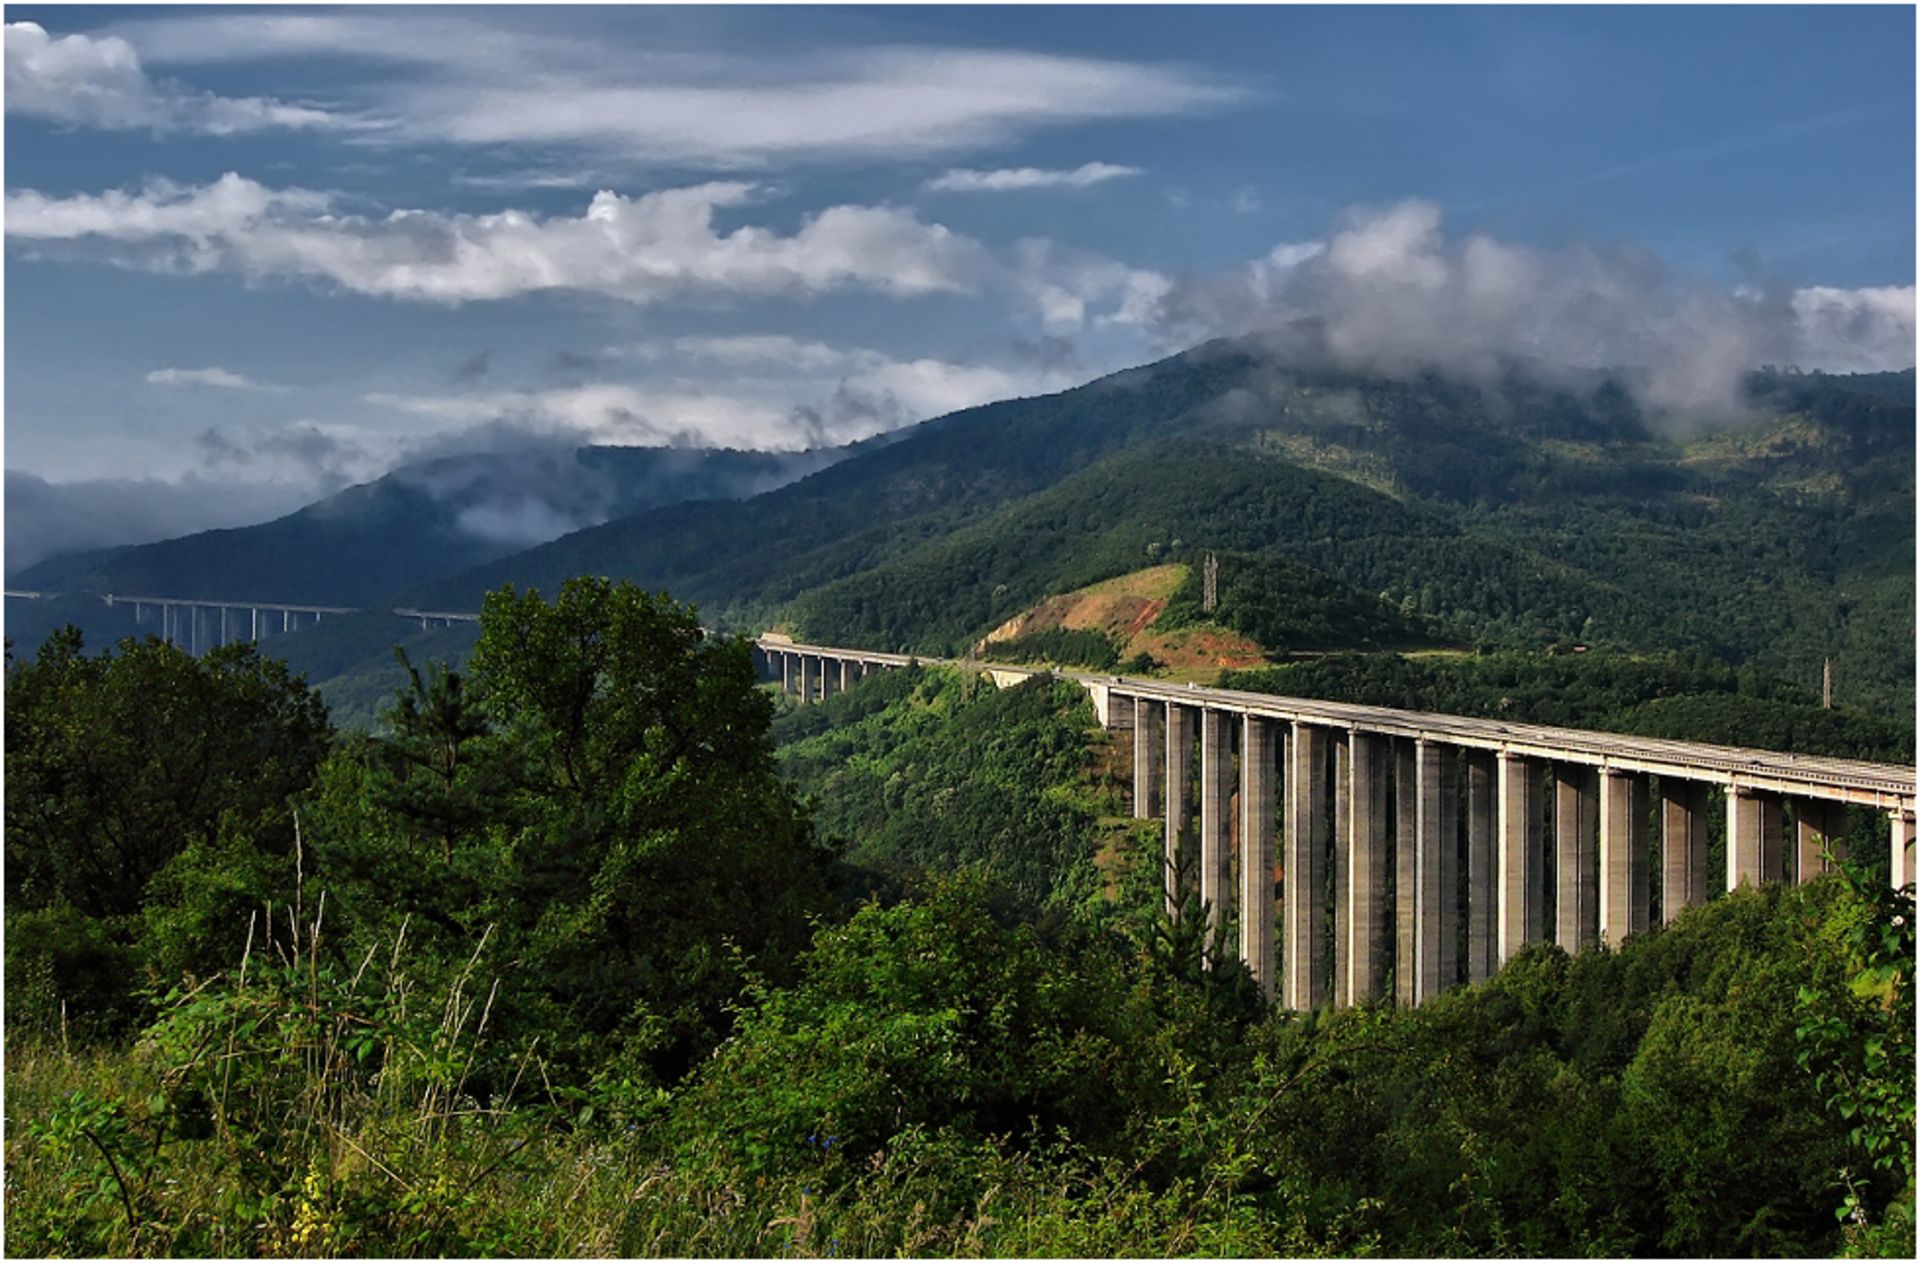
<point>1390,291</point>
<point>760,392</point>
<point>48,518</point>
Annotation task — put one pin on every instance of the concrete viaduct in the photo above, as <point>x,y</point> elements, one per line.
<point>195,624</point>
<point>1528,833</point>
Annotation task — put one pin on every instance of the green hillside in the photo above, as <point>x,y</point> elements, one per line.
<point>1511,514</point>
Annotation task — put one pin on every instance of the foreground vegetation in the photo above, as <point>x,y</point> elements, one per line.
<point>564,963</point>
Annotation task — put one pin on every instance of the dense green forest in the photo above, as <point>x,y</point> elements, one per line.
<point>601,947</point>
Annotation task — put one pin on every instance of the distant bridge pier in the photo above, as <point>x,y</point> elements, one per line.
<point>1182,725</point>
<point>1362,933</point>
<point>1684,871</point>
<point>1429,911</point>
<point>1520,805</point>
<point>1900,858</point>
<point>1624,856</point>
<point>809,676</point>
<point>1149,734</point>
<point>1819,830</point>
<point>1304,870</point>
<point>1756,841</point>
<point>1216,829</point>
<point>1576,827</point>
<point>1257,767</point>
<point>1483,876</point>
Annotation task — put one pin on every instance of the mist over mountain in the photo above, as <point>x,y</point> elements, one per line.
<point>45,518</point>
<point>1516,508</point>
<point>1510,507</point>
<point>421,521</point>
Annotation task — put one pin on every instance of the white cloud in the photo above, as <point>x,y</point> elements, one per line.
<point>1010,179</point>
<point>220,378</point>
<point>770,392</point>
<point>92,81</point>
<point>1070,288</point>
<point>498,79</point>
<point>48,518</point>
<point>646,249</point>
<point>1390,290</point>
<point>1856,330</point>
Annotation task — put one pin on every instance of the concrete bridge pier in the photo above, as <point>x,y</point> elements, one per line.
<point>1149,732</point>
<point>1683,846</point>
<point>1900,855</point>
<point>1429,864</point>
<point>805,696</point>
<point>1406,871</point>
<point>1625,885</point>
<point>1339,865</point>
<point>1304,880</point>
<point>1576,825</point>
<point>1756,845</point>
<point>1483,876</point>
<point>1521,917</point>
<point>829,678</point>
<point>1257,739</point>
<point>1362,932</point>
<point>1216,793</point>
<point>1179,795</point>
<point>1819,830</point>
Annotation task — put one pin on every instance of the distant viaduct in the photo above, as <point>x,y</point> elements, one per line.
<point>1525,832</point>
<point>196,624</point>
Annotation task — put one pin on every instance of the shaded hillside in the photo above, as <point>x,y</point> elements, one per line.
<point>420,522</point>
<point>744,561</point>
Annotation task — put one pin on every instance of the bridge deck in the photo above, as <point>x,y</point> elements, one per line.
<point>1815,776</point>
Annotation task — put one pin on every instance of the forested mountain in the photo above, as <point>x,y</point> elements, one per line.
<point>1516,513</point>
<point>422,521</point>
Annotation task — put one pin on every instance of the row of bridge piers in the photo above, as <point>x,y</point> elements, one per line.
<point>199,626</point>
<point>1358,853</point>
<point>1351,862</point>
<point>809,677</point>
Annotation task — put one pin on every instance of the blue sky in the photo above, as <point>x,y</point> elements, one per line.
<point>255,253</point>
